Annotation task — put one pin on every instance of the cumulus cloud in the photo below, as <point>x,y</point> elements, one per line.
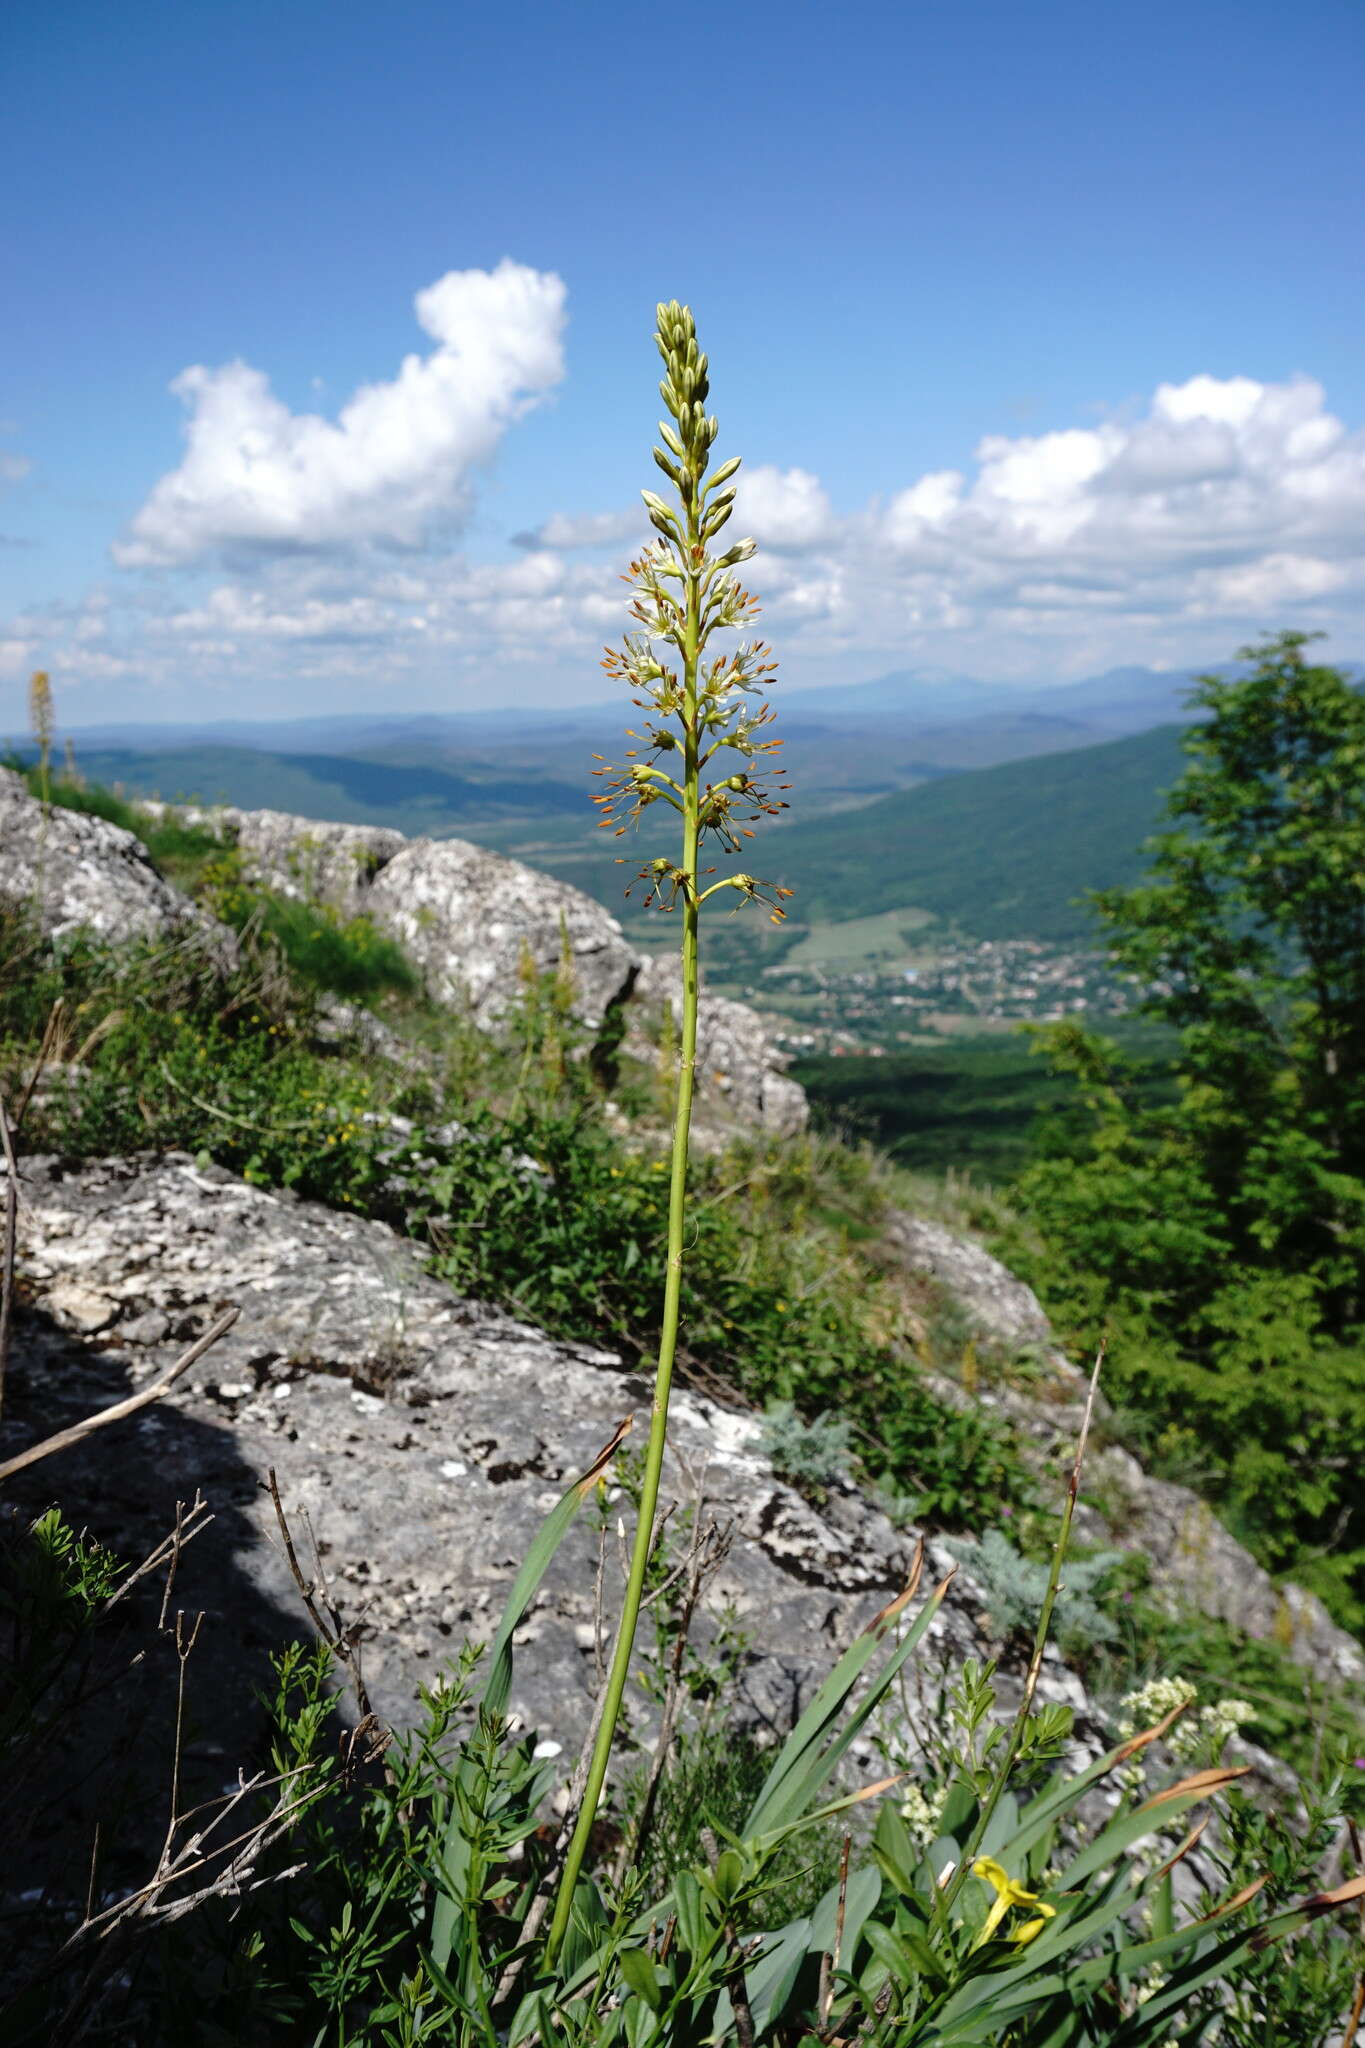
<point>1170,533</point>
<point>585,530</point>
<point>394,464</point>
<point>782,508</point>
<point>1218,468</point>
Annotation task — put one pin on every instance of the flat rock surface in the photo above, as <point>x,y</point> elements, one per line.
<point>425,1436</point>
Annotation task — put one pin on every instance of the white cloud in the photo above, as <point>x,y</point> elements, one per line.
<point>586,530</point>
<point>14,468</point>
<point>1168,534</point>
<point>782,508</point>
<point>396,462</point>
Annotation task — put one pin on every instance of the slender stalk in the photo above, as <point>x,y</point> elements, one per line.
<point>668,1335</point>
<point>944,1899</point>
<point>682,594</point>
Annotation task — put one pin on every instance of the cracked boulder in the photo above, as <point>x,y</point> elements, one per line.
<point>420,1438</point>
<point>79,873</point>
<point>741,1077</point>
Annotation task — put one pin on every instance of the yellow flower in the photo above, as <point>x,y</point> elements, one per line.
<point>1008,1894</point>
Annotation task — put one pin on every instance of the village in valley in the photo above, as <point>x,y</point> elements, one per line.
<point>956,989</point>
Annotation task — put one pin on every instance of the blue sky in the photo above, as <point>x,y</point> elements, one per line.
<point>1039,330</point>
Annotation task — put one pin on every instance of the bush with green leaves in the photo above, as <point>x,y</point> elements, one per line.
<point>1221,1234</point>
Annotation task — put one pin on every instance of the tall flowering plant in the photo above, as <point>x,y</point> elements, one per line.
<point>704,712</point>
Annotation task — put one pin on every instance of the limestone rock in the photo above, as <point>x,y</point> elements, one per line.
<point>424,1435</point>
<point>319,862</point>
<point>82,873</point>
<point>1000,1306</point>
<point>468,919</point>
<point>739,1066</point>
<point>1195,1561</point>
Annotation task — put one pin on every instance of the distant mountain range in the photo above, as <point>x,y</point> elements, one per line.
<point>922,701</point>
<point>492,771</point>
<point>992,808</point>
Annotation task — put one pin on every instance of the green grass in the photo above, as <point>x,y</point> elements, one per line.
<point>889,935</point>
<point>979,1107</point>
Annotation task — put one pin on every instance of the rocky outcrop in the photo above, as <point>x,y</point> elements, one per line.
<point>1022,1372</point>
<point>421,1436</point>
<point>1001,1308</point>
<point>471,920</point>
<point>82,873</point>
<point>739,1065</point>
<point>303,857</point>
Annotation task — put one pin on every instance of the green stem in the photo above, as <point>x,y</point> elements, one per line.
<point>668,1335</point>
<point>944,1898</point>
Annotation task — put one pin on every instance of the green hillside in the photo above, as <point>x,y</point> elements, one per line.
<point>415,797</point>
<point>999,852</point>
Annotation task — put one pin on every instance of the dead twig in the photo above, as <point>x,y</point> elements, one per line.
<point>65,1439</point>
<point>709,1547</point>
<point>829,1964</point>
<point>324,1614</point>
<point>11,1238</point>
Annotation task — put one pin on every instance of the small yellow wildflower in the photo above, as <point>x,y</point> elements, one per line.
<point>1007,1895</point>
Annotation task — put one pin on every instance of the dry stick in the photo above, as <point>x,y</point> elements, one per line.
<point>599,1652</point>
<point>66,1438</point>
<point>943,1899</point>
<point>328,1625</point>
<point>1357,2008</point>
<point>829,1964</point>
<point>709,1547</point>
<point>184,1650</point>
<point>1358,2002</point>
<point>177,1539</point>
<point>52,1031</point>
<point>11,1234</point>
<point>738,1990</point>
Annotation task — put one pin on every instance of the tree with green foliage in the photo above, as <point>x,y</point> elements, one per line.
<point>1224,1232</point>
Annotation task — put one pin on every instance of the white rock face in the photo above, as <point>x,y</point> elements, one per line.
<point>471,920</point>
<point>319,862</point>
<point>739,1068</point>
<point>468,919</point>
<point>425,1435</point>
<point>81,873</point>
